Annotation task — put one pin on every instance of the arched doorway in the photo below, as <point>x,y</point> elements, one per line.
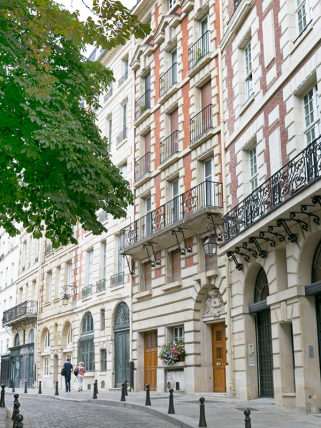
<point>121,331</point>
<point>264,335</point>
<point>316,277</point>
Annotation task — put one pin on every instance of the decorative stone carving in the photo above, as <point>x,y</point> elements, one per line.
<point>214,303</point>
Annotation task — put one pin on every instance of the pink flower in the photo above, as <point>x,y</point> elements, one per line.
<point>177,346</point>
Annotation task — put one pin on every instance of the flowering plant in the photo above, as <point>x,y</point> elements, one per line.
<point>172,352</point>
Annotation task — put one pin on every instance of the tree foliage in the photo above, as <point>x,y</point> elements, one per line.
<point>55,167</point>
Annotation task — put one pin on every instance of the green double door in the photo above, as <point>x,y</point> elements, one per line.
<point>121,357</point>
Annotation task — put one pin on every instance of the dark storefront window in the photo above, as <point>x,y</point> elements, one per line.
<point>86,343</point>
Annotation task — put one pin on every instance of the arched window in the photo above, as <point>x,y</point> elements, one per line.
<point>316,265</point>
<point>86,343</point>
<point>47,340</point>
<point>261,291</point>
<point>31,336</point>
<point>121,316</point>
<point>16,340</point>
<point>69,336</point>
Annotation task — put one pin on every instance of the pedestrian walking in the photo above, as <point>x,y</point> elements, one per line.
<point>66,371</point>
<point>80,370</point>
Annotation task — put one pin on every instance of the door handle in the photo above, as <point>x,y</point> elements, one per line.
<point>218,364</point>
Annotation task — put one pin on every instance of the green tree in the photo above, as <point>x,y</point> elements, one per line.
<point>55,167</point>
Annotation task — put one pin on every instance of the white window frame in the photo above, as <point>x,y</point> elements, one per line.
<point>104,251</point>
<point>49,286</point>
<point>69,336</point>
<point>253,168</point>
<point>124,112</point>
<point>46,342</point>
<point>311,107</point>
<point>171,3</point>
<point>46,366</point>
<point>110,131</point>
<point>303,15</point>
<point>248,70</point>
<point>90,267</point>
<point>178,333</point>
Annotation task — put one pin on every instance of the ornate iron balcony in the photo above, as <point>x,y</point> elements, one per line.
<point>200,123</point>
<point>101,285</point>
<point>142,166</point>
<point>121,137</point>
<point>103,216</point>
<point>117,279</point>
<point>168,79</point>
<point>294,176</point>
<point>206,194</point>
<point>122,79</point>
<point>169,146</point>
<point>199,49</point>
<point>109,93</point>
<point>87,291</point>
<point>27,309</point>
<point>142,104</point>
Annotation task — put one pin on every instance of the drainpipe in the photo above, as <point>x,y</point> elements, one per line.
<point>227,267</point>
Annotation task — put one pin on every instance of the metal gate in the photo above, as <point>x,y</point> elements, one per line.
<point>265,354</point>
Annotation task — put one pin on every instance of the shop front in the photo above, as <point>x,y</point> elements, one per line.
<point>22,367</point>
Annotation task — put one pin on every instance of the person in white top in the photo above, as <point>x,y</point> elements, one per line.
<point>80,375</point>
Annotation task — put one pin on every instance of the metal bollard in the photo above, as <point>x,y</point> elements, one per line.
<point>247,419</point>
<point>16,396</point>
<point>39,390</point>
<point>15,413</point>
<point>96,383</point>
<point>2,399</point>
<point>171,409</point>
<point>94,391</point>
<point>123,398</point>
<point>147,402</point>
<point>56,390</point>
<point>19,419</point>
<point>126,387</point>
<point>26,387</point>
<point>202,422</point>
<point>12,385</point>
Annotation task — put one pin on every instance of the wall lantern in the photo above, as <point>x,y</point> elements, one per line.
<point>210,246</point>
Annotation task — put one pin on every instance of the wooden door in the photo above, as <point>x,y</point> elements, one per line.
<point>219,357</point>
<point>121,357</point>
<point>151,359</point>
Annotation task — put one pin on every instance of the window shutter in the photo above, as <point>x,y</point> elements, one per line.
<point>148,276</point>
<point>176,265</point>
<point>206,94</point>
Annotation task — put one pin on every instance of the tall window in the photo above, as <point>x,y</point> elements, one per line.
<point>90,266</point>
<point>205,42</point>
<point>176,265</point>
<point>37,248</point>
<point>123,170</point>
<point>46,365</point>
<point>12,272</point>
<point>46,343</point>
<point>102,319</point>
<point>69,273</point>
<point>148,216</point>
<point>24,254</point>
<point>124,117</point>
<point>103,360</point>
<point>178,333</point>
<point>125,62</point>
<point>147,276</point>
<point>58,281</point>
<point>175,200</point>
<point>174,67</point>
<point>303,14</point>
<point>104,255</point>
<point>120,264</point>
<point>253,169</point>
<point>312,114</point>
<point>16,340</point>
<point>248,70</point>
<point>208,169</point>
<point>31,336</point>
<point>49,286</point>
<point>86,343</point>
<point>110,130</point>
<point>69,336</point>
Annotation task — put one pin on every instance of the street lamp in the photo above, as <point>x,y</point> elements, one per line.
<point>65,297</point>
<point>210,245</point>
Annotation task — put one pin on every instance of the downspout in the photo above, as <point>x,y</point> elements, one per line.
<point>227,267</point>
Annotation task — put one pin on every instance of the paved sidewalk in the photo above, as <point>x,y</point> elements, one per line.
<point>220,411</point>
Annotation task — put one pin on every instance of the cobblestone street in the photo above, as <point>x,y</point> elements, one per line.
<point>46,413</point>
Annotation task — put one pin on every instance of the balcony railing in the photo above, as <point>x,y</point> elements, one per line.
<point>168,79</point>
<point>142,104</point>
<point>297,174</point>
<point>103,216</point>
<point>201,122</point>
<point>199,49</point>
<point>87,291</point>
<point>169,146</point>
<point>206,194</point>
<point>109,93</point>
<point>121,137</point>
<point>26,309</point>
<point>142,166</point>
<point>117,279</point>
<point>122,79</point>
<point>101,285</point>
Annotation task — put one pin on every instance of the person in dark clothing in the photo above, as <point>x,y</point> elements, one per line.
<point>68,366</point>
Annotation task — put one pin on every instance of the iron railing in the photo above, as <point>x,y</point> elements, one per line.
<point>297,174</point>
<point>117,279</point>
<point>25,309</point>
<point>103,216</point>
<point>48,249</point>
<point>199,49</point>
<point>122,79</point>
<point>142,104</point>
<point>201,122</point>
<point>206,194</point>
<point>121,137</point>
<point>168,79</point>
<point>101,285</point>
<point>87,291</point>
<point>142,166</point>
<point>109,93</point>
<point>169,146</point>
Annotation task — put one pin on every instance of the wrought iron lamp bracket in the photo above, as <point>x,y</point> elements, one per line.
<point>253,252</point>
<point>238,251</point>
<point>8,330</point>
<point>262,253</point>
<point>281,222</point>
<point>189,249</point>
<point>239,266</point>
<point>270,230</point>
<point>215,227</point>
<point>302,223</point>
<point>131,271</point>
<point>316,199</point>
<point>304,208</point>
<point>182,250</point>
<point>151,262</point>
<point>154,262</point>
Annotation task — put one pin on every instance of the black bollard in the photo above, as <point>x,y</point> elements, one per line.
<point>56,390</point>
<point>16,396</point>
<point>19,423</point>
<point>171,409</point>
<point>26,387</point>
<point>12,385</point>
<point>15,413</point>
<point>39,390</point>
<point>202,422</point>
<point>123,398</point>
<point>96,383</point>
<point>147,402</point>
<point>126,387</point>
<point>94,392</point>
<point>247,419</point>
<point>2,400</point>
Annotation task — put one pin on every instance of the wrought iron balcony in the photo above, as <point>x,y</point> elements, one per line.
<point>199,49</point>
<point>168,79</point>
<point>117,279</point>
<point>109,93</point>
<point>101,285</point>
<point>87,291</point>
<point>206,194</point>
<point>201,122</point>
<point>103,216</point>
<point>169,146</point>
<point>25,310</point>
<point>142,104</point>
<point>142,166</point>
<point>294,176</point>
<point>122,79</point>
<point>121,137</point>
